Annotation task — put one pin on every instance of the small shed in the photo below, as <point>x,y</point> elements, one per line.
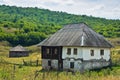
<point>18,51</point>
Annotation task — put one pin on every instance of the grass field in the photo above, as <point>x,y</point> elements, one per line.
<point>14,68</point>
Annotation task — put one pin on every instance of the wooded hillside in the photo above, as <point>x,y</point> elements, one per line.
<point>28,26</point>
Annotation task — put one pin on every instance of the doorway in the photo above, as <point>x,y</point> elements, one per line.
<point>72,65</point>
<point>60,64</point>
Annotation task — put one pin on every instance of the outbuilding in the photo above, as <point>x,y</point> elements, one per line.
<point>18,51</point>
<point>76,47</point>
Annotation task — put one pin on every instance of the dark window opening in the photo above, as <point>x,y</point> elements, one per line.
<point>71,64</point>
<point>55,51</point>
<point>49,63</point>
<point>69,51</point>
<point>92,52</point>
<point>48,51</point>
<point>75,51</point>
<point>101,52</point>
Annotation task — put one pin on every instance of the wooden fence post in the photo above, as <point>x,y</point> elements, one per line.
<point>37,62</point>
<point>13,73</point>
<point>43,77</point>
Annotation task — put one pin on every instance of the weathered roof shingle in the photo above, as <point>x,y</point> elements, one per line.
<point>18,48</point>
<point>76,35</point>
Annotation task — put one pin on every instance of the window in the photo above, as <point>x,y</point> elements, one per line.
<point>71,64</point>
<point>92,52</point>
<point>75,51</point>
<point>55,51</point>
<point>69,51</point>
<point>47,50</point>
<point>49,63</point>
<point>101,52</point>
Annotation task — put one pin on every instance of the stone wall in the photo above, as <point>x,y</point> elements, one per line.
<point>54,64</point>
<point>95,64</point>
<point>84,65</point>
<point>78,64</point>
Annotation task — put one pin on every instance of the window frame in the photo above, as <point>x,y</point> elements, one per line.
<point>55,51</point>
<point>75,51</point>
<point>68,51</point>
<point>72,65</point>
<point>47,51</point>
<point>102,52</point>
<point>92,52</point>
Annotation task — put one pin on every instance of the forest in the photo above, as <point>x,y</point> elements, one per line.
<point>28,26</point>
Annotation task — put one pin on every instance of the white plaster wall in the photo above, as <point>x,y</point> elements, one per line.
<point>65,55</point>
<point>87,55</point>
<point>84,52</point>
<point>107,54</point>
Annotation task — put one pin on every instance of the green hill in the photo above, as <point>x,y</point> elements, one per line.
<point>28,26</point>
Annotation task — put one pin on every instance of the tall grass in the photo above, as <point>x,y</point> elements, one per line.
<point>35,73</point>
<point>13,69</point>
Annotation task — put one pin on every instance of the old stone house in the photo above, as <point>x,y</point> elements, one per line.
<point>76,47</point>
<point>18,51</point>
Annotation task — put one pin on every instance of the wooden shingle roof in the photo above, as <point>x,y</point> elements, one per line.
<point>76,35</point>
<point>18,48</point>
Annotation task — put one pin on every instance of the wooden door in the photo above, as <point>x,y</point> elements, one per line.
<point>60,64</point>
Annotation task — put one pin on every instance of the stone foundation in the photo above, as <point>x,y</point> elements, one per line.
<point>54,64</point>
<point>95,64</point>
<point>78,64</point>
<point>84,65</point>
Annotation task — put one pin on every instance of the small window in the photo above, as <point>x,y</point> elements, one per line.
<point>101,52</point>
<point>92,52</point>
<point>55,51</point>
<point>47,50</point>
<point>69,51</point>
<point>49,63</point>
<point>71,64</point>
<point>75,51</point>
